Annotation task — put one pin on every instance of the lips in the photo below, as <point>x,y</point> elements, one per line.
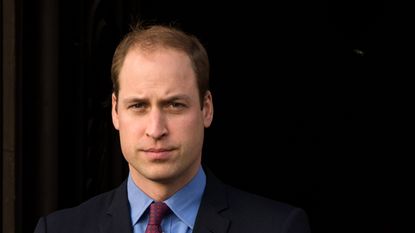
<point>155,150</point>
<point>159,153</point>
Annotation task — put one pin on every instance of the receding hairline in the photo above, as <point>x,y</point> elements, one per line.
<point>150,49</point>
<point>149,38</point>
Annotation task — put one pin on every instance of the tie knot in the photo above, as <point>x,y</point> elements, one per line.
<point>157,211</point>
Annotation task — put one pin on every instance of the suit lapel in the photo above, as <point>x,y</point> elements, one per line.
<point>117,219</point>
<point>214,201</point>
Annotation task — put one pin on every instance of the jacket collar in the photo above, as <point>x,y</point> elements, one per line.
<point>214,201</point>
<point>117,218</point>
<point>208,220</point>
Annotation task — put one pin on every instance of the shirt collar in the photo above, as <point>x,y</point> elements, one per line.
<point>139,201</point>
<point>184,203</point>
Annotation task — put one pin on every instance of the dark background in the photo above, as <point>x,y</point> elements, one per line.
<point>309,106</point>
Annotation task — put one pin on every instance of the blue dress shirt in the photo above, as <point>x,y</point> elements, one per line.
<point>184,205</point>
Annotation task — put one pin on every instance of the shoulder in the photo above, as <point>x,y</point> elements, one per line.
<point>242,200</point>
<point>248,212</point>
<point>85,216</point>
<point>225,195</point>
<point>97,204</point>
<point>248,207</point>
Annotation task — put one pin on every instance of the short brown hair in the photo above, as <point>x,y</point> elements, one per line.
<point>152,37</point>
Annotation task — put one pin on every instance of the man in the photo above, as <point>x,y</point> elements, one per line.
<point>161,105</point>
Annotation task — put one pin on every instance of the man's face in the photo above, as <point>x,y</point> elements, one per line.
<point>159,117</point>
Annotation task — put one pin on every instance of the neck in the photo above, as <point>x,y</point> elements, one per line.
<point>162,189</point>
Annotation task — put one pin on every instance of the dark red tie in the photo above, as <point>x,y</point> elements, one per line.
<point>157,211</point>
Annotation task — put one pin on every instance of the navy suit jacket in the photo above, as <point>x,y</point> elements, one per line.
<point>223,209</point>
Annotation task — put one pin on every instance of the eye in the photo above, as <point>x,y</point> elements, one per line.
<point>175,106</point>
<point>140,105</point>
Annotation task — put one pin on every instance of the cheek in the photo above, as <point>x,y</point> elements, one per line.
<point>129,128</point>
<point>191,128</point>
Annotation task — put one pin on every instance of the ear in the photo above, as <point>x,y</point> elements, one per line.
<point>207,109</point>
<point>114,112</point>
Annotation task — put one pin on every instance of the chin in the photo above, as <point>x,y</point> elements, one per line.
<point>163,179</point>
<point>162,175</point>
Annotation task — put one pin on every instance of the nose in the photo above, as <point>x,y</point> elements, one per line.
<point>156,126</point>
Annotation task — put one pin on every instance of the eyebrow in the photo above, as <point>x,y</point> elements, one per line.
<point>166,100</point>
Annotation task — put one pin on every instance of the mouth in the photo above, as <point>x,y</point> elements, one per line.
<point>159,153</point>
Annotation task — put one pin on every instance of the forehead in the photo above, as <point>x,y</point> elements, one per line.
<point>164,69</point>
